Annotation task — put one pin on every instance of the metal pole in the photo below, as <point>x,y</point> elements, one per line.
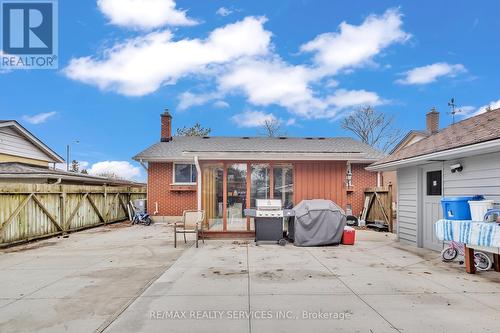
<point>67,157</point>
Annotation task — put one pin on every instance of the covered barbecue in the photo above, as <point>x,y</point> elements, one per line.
<point>318,222</point>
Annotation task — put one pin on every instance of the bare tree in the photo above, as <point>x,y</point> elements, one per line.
<point>195,130</point>
<point>372,127</point>
<point>109,175</point>
<point>75,166</point>
<point>271,128</point>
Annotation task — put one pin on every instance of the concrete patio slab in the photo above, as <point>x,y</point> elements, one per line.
<point>124,279</point>
<point>303,313</point>
<point>184,313</point>
<point>435,313</point>
<point>76,284</point>
<point>291,289</point>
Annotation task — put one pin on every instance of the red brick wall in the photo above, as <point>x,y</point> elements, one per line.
<point>361,179</point>
<point>170,203</point>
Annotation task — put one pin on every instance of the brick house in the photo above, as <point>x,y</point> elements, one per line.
<point>224,175</point>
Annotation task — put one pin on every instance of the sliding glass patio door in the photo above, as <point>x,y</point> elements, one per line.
<point>230,187</point>
<point>236,197</point>
<point>213,196</point>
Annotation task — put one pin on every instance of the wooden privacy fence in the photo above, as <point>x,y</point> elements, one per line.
<point>378,205</point>
<point>31,211</point>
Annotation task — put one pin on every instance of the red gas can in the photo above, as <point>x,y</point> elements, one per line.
<point>348,236</point>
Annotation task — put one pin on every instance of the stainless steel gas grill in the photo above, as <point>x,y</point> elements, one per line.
<point>268,220</point>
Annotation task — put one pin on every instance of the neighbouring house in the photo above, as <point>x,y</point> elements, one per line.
<point>26,159</point>
<point>462,159</point>
<point>224,175</point>
<point>413,136</point>
<point>18,145</point>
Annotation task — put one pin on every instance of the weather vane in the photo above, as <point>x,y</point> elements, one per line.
<point>454,109</point>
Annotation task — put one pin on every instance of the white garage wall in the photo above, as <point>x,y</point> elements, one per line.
<point>408,179</point>
<point>481,175</point>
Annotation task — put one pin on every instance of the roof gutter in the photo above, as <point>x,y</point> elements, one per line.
<point>470,150</point>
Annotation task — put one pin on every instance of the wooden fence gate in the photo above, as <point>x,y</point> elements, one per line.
<point>378,205</point>
<point>31,211</point>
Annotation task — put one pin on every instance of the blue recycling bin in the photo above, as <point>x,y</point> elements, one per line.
<point>457,208</point>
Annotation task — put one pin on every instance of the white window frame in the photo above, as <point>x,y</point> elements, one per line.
<point>173,173</point>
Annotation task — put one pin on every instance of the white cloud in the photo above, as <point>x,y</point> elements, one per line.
<point>270,80</point>
<point>121,169</point>
<point>470,111</point>
<point>187,99</point>
<point>141,65</point>
<point>240,58</point>
<point>223,11</point>
<point>290,122</point>
<point>39,118</point>
<point>144,14</point>
<point>267,82</point>
<point>221,104</point>
<point>355,46</point>
<point>252,118</point>
<point>348,98</point>
<point>430,73</point>
<point>83,164</point>
<point>61,166</point>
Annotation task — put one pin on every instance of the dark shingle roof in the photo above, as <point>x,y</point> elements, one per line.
<point>14,170</point>
<point>481,128</point>
<point>174,149</point>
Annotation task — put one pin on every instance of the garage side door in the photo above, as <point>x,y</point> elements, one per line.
<point>432,191</point>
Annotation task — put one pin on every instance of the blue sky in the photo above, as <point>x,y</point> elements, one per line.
<point>229,65</point>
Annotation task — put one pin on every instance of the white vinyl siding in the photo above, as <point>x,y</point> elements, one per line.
<point>15,144</point>
<point>407,204</point>
<point>480,175</point>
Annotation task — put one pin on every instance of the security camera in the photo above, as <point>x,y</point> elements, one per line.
<point>456,167</point>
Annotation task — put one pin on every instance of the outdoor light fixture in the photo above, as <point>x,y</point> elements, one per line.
<point>349,175</point>
<point>456,167</point>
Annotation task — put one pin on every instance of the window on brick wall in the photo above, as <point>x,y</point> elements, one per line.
<point>184,173</point>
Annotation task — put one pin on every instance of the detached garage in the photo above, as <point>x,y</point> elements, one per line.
<point>460,160</point>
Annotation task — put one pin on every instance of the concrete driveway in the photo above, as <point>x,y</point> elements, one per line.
<point>79,283</point>
<point>130,279</point>
<point>378,285</point>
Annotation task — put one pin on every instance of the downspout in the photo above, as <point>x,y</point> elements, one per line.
<point>141,162</point>
<point>378,179</point>
<point>198,181</point>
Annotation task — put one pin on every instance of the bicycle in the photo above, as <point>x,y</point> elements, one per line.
<point>141,218</point>
<point>481,260</point>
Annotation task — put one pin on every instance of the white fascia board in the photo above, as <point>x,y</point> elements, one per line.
<point>450,154</point>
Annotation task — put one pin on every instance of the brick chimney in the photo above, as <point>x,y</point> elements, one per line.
<point>432,121</point>
<point>166,126</point>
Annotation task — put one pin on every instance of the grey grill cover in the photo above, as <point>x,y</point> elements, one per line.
<point>318,222</point>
